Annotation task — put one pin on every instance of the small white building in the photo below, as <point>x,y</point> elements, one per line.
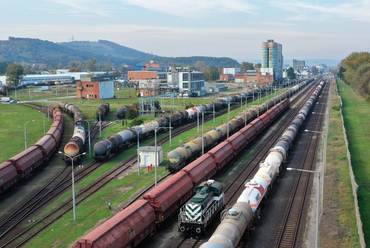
<point>147,155</point>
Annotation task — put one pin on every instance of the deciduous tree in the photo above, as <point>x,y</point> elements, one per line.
<point>290,73</point>
<point>314,70</point>
<point>14,74</point>
<point>246,66</point>
<point>91,64</point>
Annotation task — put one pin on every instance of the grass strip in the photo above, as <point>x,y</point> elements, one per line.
<point>338,226</point>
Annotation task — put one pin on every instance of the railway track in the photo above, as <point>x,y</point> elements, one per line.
<point>293,224</point>
<point>188,243</point>
<point>233,191</point>
<point>42,198</point>
<point>67,205</point>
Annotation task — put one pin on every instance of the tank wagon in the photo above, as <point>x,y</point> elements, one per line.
<point>102,112</point>
<point>3,90</point>
<point>186,153</point>
<point>121,113</point>
<point>199,211</point>
<point>20,167</point>
<point>170,195</point>
<point>242,215</point>
<point>76,143</point>
<point>191,150</point>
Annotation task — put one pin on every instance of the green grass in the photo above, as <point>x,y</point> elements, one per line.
<point>357,122</point>
<point>12,132</point>
<point>338,190</point>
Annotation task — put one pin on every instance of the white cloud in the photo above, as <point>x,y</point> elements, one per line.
<point>183,8</point>
<point>356,10</point>
<point>272,23</point>
<point>193,8</point>
<point>83,7</point>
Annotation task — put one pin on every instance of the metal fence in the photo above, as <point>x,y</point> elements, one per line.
<point>354,184</point>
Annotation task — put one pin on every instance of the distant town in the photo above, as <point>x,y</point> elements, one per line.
<point>153,78</point>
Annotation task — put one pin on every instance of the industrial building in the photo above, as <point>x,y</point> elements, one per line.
<point>190,83</point>
<point>137,75</point>
<point>263,77</point>
<point>227,77</point>
<point>216,87</point>
<point>152,87</point>
<point>231,71</point>
<point>272,57</point>
<point>94,88</point>
<point>298,64</point>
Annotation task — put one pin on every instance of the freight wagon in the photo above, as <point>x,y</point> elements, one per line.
<point>22,165</point>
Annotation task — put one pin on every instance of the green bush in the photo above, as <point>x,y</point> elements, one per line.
<point>132,114</point>
<point>189,105</point>
<point>335,108</point>
<point>136,122</point>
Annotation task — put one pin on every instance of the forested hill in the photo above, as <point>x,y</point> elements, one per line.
<point>40,51</point>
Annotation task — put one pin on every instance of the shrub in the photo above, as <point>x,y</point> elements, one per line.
<point>189,105</point>
<point>136,122</point>
<point>132,114</point>
<point>335,108</point>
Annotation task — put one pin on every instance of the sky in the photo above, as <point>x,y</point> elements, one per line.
<point>313,29</point>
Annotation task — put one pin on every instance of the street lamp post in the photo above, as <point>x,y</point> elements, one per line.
<point>324,165</point>
<point>25,134</point>
<point>228,117</point>
<point>100,123</point>
<point>138,153</point>
<point>318,200</point>
<point>44,123</point>
<point>88,124</point>
<point>156,162</point>
<point>73,182</point>
<point>170,127</point>
<point>203,130</point>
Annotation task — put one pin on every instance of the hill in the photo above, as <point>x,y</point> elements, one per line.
<point>40,51</point>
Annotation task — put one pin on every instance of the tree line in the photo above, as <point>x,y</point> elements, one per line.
<point>354,70</point>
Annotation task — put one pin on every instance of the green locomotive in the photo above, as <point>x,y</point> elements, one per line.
<point>199,211</point>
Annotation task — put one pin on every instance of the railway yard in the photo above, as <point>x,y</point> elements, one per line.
<point>284,215</point>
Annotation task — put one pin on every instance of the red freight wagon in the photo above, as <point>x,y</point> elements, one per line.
<point>126,229</point>
<point>170,195</point>
<point>258,125</point>
<point>272,114</point>
<point>201,169</point>
<point>56,133</point>
<point>266,119</point>
<point>281,107</point>
<point>249,132</point>
<point>47,144</point>
<point>58,117</point>
<point>222,154</point>
<point>277,109</point>
<point>238,142</point>
<point>8,176</point>
<point>28,160</point>
<point>285,103</point>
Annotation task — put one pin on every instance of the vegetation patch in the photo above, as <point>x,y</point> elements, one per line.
<point>338,226</point>
<point>12,129</point>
